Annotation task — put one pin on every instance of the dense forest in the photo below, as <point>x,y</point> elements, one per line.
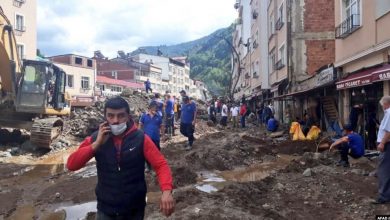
<point>209,58</point>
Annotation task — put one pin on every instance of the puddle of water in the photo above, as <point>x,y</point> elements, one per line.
<point>86,172</point>
<point>80,211</point>
<point>208,188</point>
<point>258,171</point>
<point>207,176</point>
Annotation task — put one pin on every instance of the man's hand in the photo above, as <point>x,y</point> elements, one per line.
<point>103,135</point>
<point>331,147</point>
<point>167,205</point>
<point>381,147</point>
<point>193,123</point>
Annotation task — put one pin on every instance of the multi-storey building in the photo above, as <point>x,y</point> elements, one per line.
<point>22,15</point>
<point>80,77</point>
<point>362,54</point>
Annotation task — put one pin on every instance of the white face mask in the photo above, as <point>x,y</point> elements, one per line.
<point>118,129</point>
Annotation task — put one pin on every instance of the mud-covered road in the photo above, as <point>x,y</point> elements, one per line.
<point>240,174</point>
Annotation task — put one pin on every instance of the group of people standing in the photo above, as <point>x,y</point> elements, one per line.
<point>220,111</point>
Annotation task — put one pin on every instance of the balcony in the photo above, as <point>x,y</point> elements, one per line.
<point>348,26</point>
<point>279,65</point>
<point>279,24</point>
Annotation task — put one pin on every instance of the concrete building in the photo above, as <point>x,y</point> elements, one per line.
<point>127,69</point>
<point>23,17</point>
<point>113,87</point>
<point>179,77</point>
<point>362,54</point>
<point>80,77</point>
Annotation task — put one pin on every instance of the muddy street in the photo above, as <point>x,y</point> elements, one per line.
<point>229,174</point>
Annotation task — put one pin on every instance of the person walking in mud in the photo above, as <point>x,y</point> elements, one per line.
<point>384,158</point>
<point>188,121</point>
<point>120,150</point>
<point>152,124</point>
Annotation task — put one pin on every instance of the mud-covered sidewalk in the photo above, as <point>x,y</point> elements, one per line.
<point>229,174</point>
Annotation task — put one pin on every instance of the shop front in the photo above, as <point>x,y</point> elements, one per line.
<point>359,99</point>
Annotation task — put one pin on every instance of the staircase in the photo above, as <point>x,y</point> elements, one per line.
<point>330,108</point>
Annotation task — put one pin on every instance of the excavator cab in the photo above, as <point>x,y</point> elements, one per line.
<point>41,88</point>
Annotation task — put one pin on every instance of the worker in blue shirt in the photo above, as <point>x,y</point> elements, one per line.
<point>148,86</point>
<point>152,124</point>
<point>351,144</point>
<point>169,114</point>
<point>159,103</point>
<point>188,121</point>
<point>272,124</point>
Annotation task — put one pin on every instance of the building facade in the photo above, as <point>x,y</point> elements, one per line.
<point>362,55</point>
<point>80,77</point>
<point>22,15</point>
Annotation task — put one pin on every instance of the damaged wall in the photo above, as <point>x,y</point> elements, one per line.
<point>312,37</point>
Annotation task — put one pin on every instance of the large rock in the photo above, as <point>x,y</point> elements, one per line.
<point>307,172</point>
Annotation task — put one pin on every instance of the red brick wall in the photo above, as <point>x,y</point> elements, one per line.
<point>124,72</point>
<point>319,15</point>
<point>61,59</point>
<point>319,53</point>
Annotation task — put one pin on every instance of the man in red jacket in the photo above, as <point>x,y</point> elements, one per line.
<point>243,112</point>
<point>120,151</point>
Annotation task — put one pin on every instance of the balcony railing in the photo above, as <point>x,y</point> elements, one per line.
<point>279,65</point>
<point>279,24</point>
<point>348,26</point>
<point>20,28</point>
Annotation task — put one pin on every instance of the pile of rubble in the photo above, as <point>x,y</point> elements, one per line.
<point>84,121</point>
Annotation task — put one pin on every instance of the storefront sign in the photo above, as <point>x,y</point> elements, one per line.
<point>325,76</point>
<point>381,75</point>
<point>354,83</point>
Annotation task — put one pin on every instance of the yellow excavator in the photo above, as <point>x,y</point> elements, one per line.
<point>32,94</point>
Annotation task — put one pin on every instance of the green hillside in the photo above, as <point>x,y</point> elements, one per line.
<point>209,57</point>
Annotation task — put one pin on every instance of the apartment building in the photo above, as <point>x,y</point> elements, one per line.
<point>179,77</point>
<point>22,14</point>
<point>252,50</point>
<point>362,54</point>
<point>113,87</point>
<point>80,77</point>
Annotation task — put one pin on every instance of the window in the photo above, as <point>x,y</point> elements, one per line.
<point>78,60</point>
<point>280,21</point>
<point>116,89</point>
<point>69,81</point>
<point>102,87</point>
<point>282,54</point>
<point>19,20</point>
<point>272,60</point>
<point>84,82</point>
<point>89,63</point>
<point>271,25</point>
<point>351,18</point>
<point>114,74</point>
<point>20,51</point>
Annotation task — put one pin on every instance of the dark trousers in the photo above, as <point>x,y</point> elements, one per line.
<point>169,124</point>
<point>213,118</point>
<point>188,131</point>
<point>242,121</point>
<point>224,120</point>
<point>344,152</point>
<point>137,214</point>
<point>157,143</point>
<point>147,90</point>
<point>383,174</point>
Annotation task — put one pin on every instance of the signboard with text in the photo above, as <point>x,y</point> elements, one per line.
<point>354,82</point>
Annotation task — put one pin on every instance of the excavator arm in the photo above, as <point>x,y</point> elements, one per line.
<point>10,64</point>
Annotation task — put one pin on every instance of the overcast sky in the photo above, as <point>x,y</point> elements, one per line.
<point>83,26</point>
